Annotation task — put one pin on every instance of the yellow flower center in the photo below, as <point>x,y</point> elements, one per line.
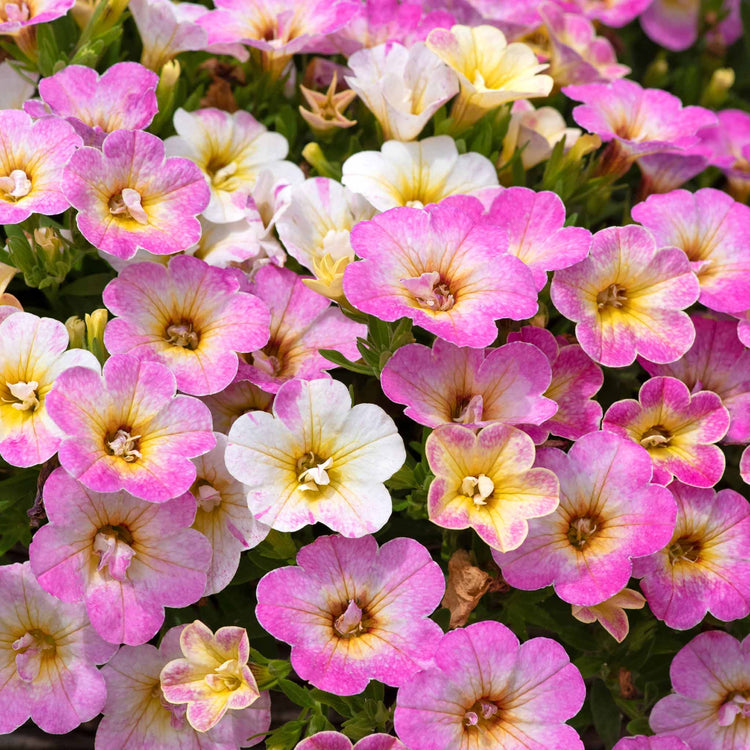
<point>227,678</point>
<point>312,472</point>
<point>183,335</point>
<point>684,549</point>
<point>127,204</point>
<point>611,297</point>
<point>581,531</point>
<point>656,437</point>
<point>430,291</point>
<point>478,488</point>
<point>484,712</point>
<point>124,445</point>
<point>349,623</point>
<point>16,185</point>
<point>24,396</point>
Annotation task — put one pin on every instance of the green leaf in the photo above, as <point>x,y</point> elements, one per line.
<point>606,715</point>
<point>88,286</point>
<point>286,736</point>
<point>339,359</point>
<point>297,694</point>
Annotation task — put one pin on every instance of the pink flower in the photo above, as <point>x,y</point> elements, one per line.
<point>729,147</point>
<point>487,691</point>
<point>127,430</point>
<point>705,567</point>
<point>337,741</point>
<point>47,655</point>
<point>677,429</point>
<point>470,386</point>
<point>189,316</point>
<point>353,612</point>
<point>126,559</point>
<point>714,232</point>
<point>32,157</point>
<point>122,98</point>
<point>709,708</point>
<point>138,715</point>
<point>613,12</point>
<point>716,362</point>
<point>670,25</point>
<point>655,742</point>
<point>627,297</point>
<point>608,513</point>
<point>663,172</point>
<point>129,196</point>
<point>236,399</point>
<point>610,614</point>
<point>537,234</point>
<point>16,15</point>
<point>32,356</point>
<point>302,322</point>
<point>443,267</point>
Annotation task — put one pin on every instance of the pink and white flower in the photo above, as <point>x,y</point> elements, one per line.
<point>610,614</point>
<point>17,15</point>
<point>19,85</point>
<point>615,13</point>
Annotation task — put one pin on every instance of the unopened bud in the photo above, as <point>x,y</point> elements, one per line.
<point>76,332</point>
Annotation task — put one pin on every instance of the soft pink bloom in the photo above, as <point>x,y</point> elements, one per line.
<point>189,316</point>
<point>127,430</point>
<point>536,231</point>
<point>677,429</point>
<point>627,298</point>
<point>16,15</point>
<point>612,12</point>
<point>610,614</point>
<point>32,157</point>
<point>716,362</point>
<point>470,386</point>
<point>745,465</point>
<point>302,322</point>
<point>47,655</point>
<point>138,715</point>
<point>709,708</point>
<point>19,85</point>
<point>126,559</point>
<point>671,24</point>
<point>129,196</point>
<point>444,267</point>
<point>32,356</point>
<point>714,232</point>
<point>354,612</point>
<point>485,481</point>
<point>705,567</point>
<point>317,459</point>
<point>661,173</point>
<point>729,148</point>
<point>608,513</point>
<point>338,741</point>
<point>655,742</point>
<point>238,398</point>
<point>223,516</point>
<point>576,378</point>
<point>122,98</point>
<point>487,691</point>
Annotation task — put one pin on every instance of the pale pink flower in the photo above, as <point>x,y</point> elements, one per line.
<point>17,15</point>
<point>729,148</point>
<point>610,614</point>
<point>238,398</point>
<point>337,741</point>
<point>612,12</point>
<point>654,742</point>
<point>19,85</point>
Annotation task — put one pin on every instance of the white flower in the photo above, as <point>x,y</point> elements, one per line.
<point>18,86</point>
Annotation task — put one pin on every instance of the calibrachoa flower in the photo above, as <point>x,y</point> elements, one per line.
<point>353,612</point>
<point>487,691</point>
<point>714,232</point>
<point>485,481</point>
<point>127,429</point>
<point>236,399</point>
<point>442,266</point>
<point>47,655</point>
<point>123,98</point>
<point>129,196</point>
<point>709,708</point>
<point>663,172</point>
<point>18,85</point>
<point>470,386</point>
<point>627,297</point>
<point>16,15</point>
<point>212,676</point>
<point>655,742</point>
<point>608,513</point>
<point>189,316</point>
<point>222,516</point>
<point>317,459</point>
<point>32,157</point>
<point>126,559</point>
<point>32,356</point>
<point>415,174</point>
<point>729,145</point>
<point>337,741</point>
<point>403,87</point>
<point>610,614</point>
<point>137,714</point>
<point>231,150</point>
<point>302,323</point>
<point>677,429</point>
<point>491,71</point>
<point>613,12</point>
<point>705,567</point>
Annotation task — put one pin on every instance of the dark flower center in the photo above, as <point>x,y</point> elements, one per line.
<point>656,437</point>
<point>684,549</point>
<point>581,530</point>
<point>614,296</point>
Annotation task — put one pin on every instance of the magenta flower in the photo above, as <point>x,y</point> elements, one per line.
<point>16,15</point>
<point>302,322</point>
<point>487,691</point>
<point>138,715</point>
<point>672,26</point>
<point>615,13</point>
<point>627,297</point>
<point>575,380</point>
<point>705,567</point>
<point>442,266</point>
<point>353,612</point>
<point>709,708</point>
<point>47,655</point>
<point>189,316</point>
<point>716,362</point>
<point>608,513</point>
<point>729,146</point>
<point>236,399</point>
<point>338,741</point>
<point>122,98</point>
<point>536,231</point>
<point>714,232</point>
<point>32,157</point>
<point>127,430</point>
<point>126,559</point>
<point>677,429</point>
<point>470,386</point>
<point>129,196</point>
<point>655,742</point>
<point>661,173</point>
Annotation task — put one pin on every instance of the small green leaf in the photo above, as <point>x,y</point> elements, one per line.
<point>607,719</point>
